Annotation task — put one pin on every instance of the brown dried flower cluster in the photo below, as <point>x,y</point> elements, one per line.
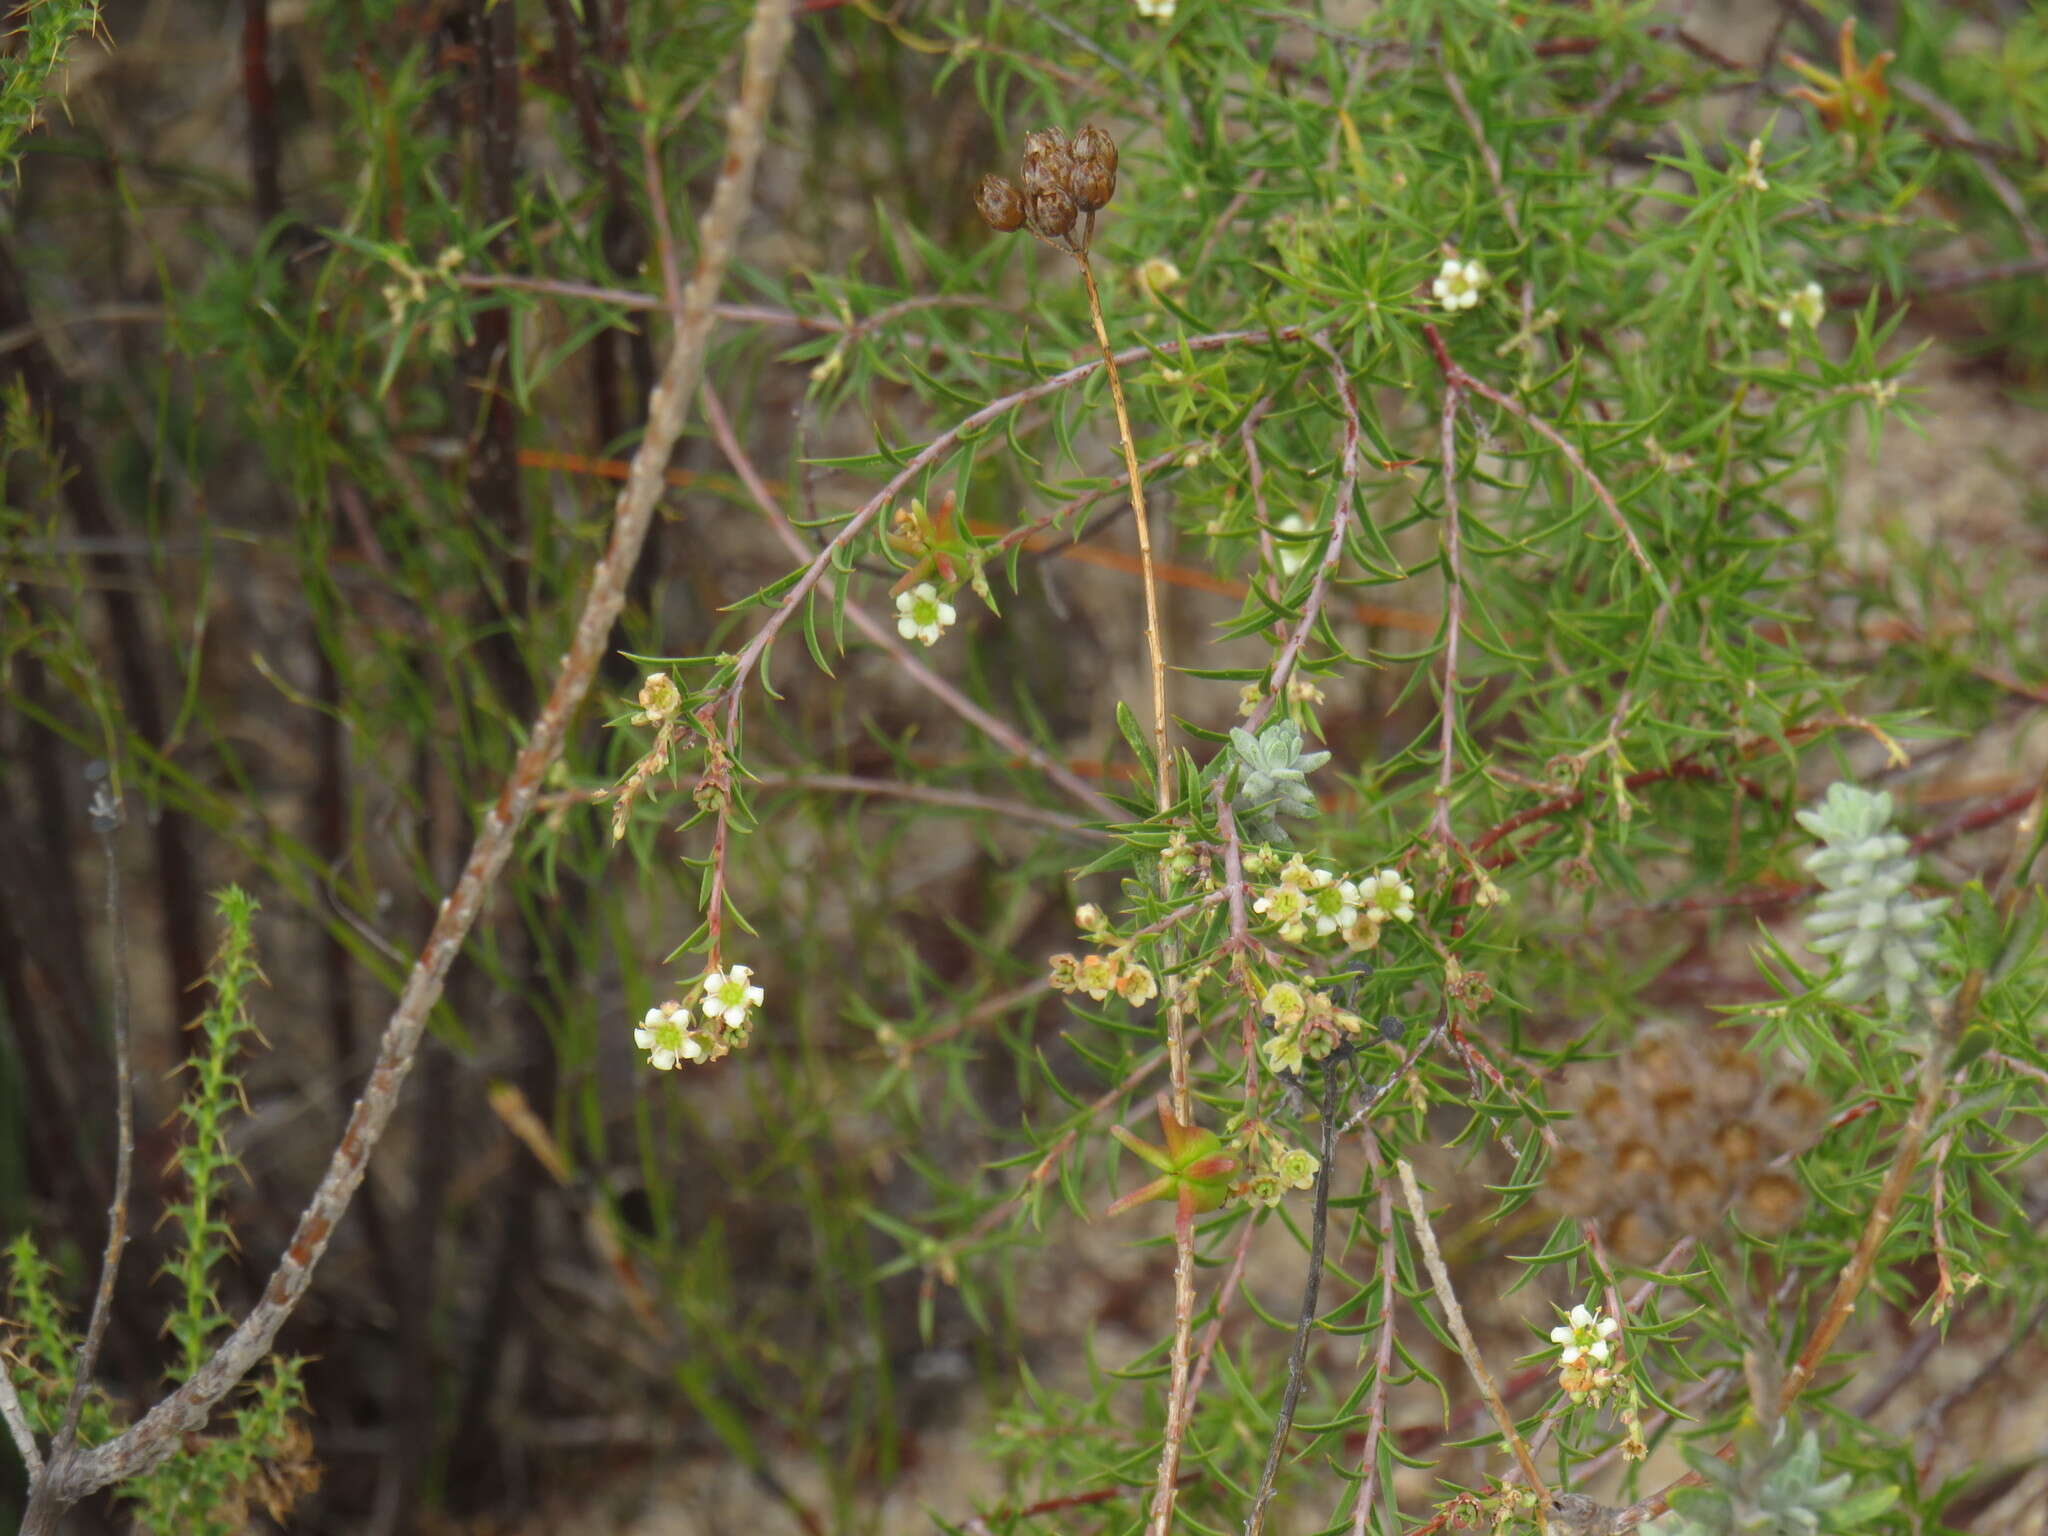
<point>1680,1133</point>
<point>1060,185</point>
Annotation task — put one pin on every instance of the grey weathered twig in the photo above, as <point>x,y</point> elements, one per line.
<point>157,1434</point>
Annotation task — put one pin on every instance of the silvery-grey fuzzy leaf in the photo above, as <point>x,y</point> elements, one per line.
<point>1272,779</point>
<point>1867,918</point>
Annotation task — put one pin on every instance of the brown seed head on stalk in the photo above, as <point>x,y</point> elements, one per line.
<point>1000,203</point>
<point>1058,180</point>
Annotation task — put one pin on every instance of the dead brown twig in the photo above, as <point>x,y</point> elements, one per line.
<point>71,1477</point>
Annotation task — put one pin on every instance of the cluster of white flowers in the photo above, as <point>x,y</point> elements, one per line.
<point>1808,305</point>
<point>1307,901</point>
<point>671,1035</point>
<point>1459,283</point>
<point>1099,975</point>
<point>923,615</point>
<point>1307,1026</point>
<point>1584,1355</point>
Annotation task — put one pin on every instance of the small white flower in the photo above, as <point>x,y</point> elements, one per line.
<point>665,1036</point>
<point>728,995</point>
<point>1334,906</point>
<point>1457,286</point>
<point>1753,168</point>
<point>921,614</point>
<point>1387,896</point>
<point>1583,1335</point>
<point>1808,304</point>
<point>1156,10</point>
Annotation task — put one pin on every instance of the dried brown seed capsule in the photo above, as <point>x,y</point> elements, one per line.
<point>1771,1203</point>
<point>1636,1169</point>
<point>1676,1109</point>
<point>1094,144</point>
<point>1045,142</point>
<point>1739,1144</point>
<point>1659,1059</point>
<point>1696,1197</point>
<point>1638,1237</point>
<point>1731,1078</point>
<point>1047,163</point>
<point>1576,1181</point>
<point>1001,204</point>
<point>1093,176</point>
<point>1050,213</point>
<point>1791,1116</point>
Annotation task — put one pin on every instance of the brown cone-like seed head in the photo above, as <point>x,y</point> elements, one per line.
<point>1791,1115</point>
<point>1576,1181</point>
<point>1657,1060</point>
<point>1696,1197</point>
<point>1599,1104</point>
<point>1638,1237</point>
<point>1771,1203</point>
<point>1050,213</point>
<point>1093,178</point>
<point>1739,1144</point>
<point>1730,1081</point>
<point>1676,1109</point>
<point>1001,204</point>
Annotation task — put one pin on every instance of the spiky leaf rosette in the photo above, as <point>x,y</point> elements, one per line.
<point>1773,1487</point>
<point>1882,938</point>
<point>1272,780</point>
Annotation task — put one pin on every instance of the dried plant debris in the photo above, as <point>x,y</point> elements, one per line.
<point>1680,1132</point>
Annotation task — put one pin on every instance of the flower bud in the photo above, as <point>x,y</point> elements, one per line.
<point>1000,203</point>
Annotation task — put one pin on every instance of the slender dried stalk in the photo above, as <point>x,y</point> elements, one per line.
<point>107,816</point>
<point>1155,641</point>
<point>1383,1359</point>
<point>1179,1402</point>
<point>1474,1362</point>
<point>1297,1360</point>
<point>158,1433</point>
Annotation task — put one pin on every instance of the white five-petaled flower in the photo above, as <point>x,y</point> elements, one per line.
<point>1583,1335</point>
<point>1386,895</point>
<point>1458,284</point>
<point>665,1036</point>
<point>729,994</point>
<point>1334,906</point>
<point>921,614</point>
<point>1808,304</point>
